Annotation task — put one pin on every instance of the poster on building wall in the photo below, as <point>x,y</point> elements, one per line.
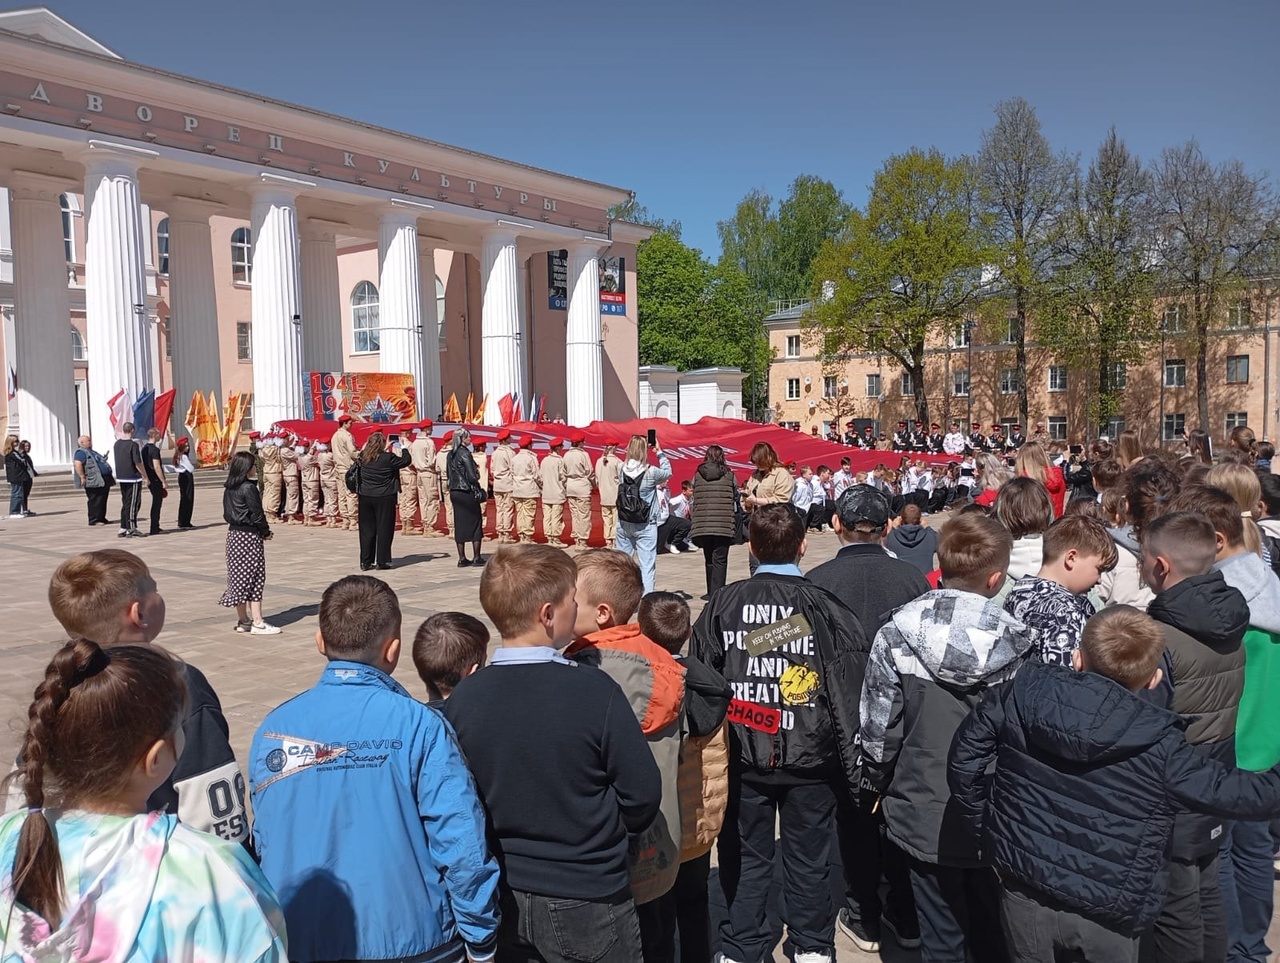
<point>613,283</point>
<point>372,396</point>
<point>558,280</point>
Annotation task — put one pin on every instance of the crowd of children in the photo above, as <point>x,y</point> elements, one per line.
<point>1060,743</point>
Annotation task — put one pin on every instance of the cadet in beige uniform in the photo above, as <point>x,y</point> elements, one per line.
<point>553,494</point>
<point>407,500</point>
<point>272,477</point>
<point>309,469</point>
<point>344,453</point>
<point>504,504</point>
<point>328,482</point>
<point>608,469</point>
<point>579,480</point>
<point>525,487</point>
<point>292,480</point>
<point>442,470</point>
<point>423,453</point>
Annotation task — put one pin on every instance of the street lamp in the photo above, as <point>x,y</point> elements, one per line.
<point>968,375</point>
<point>1163,328</point>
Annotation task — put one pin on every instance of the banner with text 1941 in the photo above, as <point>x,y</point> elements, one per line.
<point>373,396</point>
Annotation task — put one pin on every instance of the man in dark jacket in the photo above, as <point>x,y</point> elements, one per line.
<point>1078,751</point>
<point>795,657</point>
<point>1204,621</point>
<point>872,583</point>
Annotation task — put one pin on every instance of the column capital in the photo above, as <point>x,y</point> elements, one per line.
<point>268,186</point>
<point>104,157</point>
<point>181,208</point>
<point>503,233</point>
<point>29,185</point>
<point>587,248</point>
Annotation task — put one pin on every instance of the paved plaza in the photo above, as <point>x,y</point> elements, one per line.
<point>253,674</point>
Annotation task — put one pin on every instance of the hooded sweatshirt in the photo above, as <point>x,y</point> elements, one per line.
<point>143,888</point>
<point>650,477</point>
<point>930,664</point>
<point>653,682</point>
<point>1123,584</point>
<point>1080,805</point>
<point>1258,720</point>
<point>915,544</point>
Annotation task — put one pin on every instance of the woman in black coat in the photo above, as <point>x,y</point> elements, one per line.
<point>715,501</point>
<point>378,485</point>
<point>247,529</point>
<point>463,481</point>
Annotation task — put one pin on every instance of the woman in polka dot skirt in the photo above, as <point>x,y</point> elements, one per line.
<point>247,529</point>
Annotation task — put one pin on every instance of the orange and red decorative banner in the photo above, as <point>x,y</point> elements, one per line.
<point>375,396</point>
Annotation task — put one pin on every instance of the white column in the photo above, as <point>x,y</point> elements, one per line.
<point>500,322</point>
<point>429,401</point>
<point>277,340</point>
<point>321,298</point>
<point>46,399</point>
<point>193,304</point>
<point>400,297</point>
<point>584,365</point>
<point>117,326</point>
<point>526,338</point>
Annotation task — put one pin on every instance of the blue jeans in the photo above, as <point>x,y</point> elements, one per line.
<point>643,539</point>
<point>1247,874</point>
<point>15,499</point>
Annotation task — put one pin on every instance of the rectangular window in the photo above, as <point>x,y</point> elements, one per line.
<point>1175,319</point>
<point>793,389</point>
<point>1237,419</point>
<point>829,386</point>
<point>1115,427</point>
<point>1118,376</point>
<point>1238,369</point>
<point>1174,427</point>
<point>793,346</point>
<point>246,419</point>
<point>1238,314</point>
<point>244,341</point>
<point>1007,424</point>
<point>1057,428</point>
<point>873,386</point>
<point>908,387</point>
<point>168,344</point>
<point>960,335</point>
<point>1057,377</point>
<point>1175,373</point>
<point>1011,330</point>
<point>960,384</point>
<point>1009,381</point>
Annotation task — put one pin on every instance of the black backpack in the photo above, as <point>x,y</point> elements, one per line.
<point>631,506</point>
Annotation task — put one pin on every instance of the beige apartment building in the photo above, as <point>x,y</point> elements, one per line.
<point>971,376</point>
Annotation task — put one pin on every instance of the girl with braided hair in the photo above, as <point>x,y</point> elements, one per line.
<point>85,871</point>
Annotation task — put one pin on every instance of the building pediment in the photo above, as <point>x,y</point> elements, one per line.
<point>42,23</point>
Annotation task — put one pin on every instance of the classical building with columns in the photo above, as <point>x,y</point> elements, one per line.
<point>160,231</point>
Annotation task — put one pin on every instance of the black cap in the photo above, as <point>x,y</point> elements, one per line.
<point>863,503</point>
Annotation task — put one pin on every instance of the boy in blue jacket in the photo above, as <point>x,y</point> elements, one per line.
<point>366,820</point>
<point>1078,813</point>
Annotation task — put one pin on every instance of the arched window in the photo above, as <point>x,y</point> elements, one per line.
<point>241,255</point>
<point>162,244</point>
<point>364,317</point>
<point>78,350</point>
<point>440,306</point>
<point>68,228</point>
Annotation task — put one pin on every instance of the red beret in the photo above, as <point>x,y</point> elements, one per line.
<point>577,438</point>
<point>504,434</point>
<point>343,419</point>
<point>526,441</point>
<point>255,434</point>
<point>611,442</point>
<point>426,423</point>
<point>448,436</point>
<point>556,442</point>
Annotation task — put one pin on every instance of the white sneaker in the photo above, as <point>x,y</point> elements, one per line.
<point>813,958</point>
<point>264,628</point>
<point>16,518</point>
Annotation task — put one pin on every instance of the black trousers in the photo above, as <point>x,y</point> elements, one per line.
<point>26,494</point>
<point>97,499</point>
<point>543,929</point>
<point>715,558</point>
<point>673,531</point>
<point>958,909</point>
<point>1193,924</point>
<point>130,502</point>
<point>186,498</point>
<point>657,920</point>
<point>869,857</point>
<point>157,503</point>
<point>377,527</point>
<point>805,816</point>
<point>1037,930</point>
<point>693,913</point>
<point>820,515</point>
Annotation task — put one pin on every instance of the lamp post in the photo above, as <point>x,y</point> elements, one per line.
<point>968,375</point>
<point>1162,379</point>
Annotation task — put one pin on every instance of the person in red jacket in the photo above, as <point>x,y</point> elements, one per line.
<point>1033,462</point>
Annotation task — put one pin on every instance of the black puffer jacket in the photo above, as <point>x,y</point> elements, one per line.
<point>380,477</point>
<point>1087,779</point>
<point>713,501</point>
<point>1204,621</point>
<point>794,715</point>
<point>242,508</point>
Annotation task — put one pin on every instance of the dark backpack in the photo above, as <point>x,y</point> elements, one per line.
<point>352,478</point>
<point>631,505</point>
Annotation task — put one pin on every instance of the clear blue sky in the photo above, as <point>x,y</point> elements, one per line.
<point>693,103</point>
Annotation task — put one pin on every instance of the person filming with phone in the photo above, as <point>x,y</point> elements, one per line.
<point>377,482</point>
<point>637,531</point>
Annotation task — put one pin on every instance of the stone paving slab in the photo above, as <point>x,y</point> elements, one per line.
<point>253,674</point>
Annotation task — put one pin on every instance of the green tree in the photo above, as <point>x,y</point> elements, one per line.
<point>1216,226</point>
<point>910,263</point>
<point>636,213</point>
<point>1097,310</point>
<point>1025,186</point>
<point>747,241</point>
